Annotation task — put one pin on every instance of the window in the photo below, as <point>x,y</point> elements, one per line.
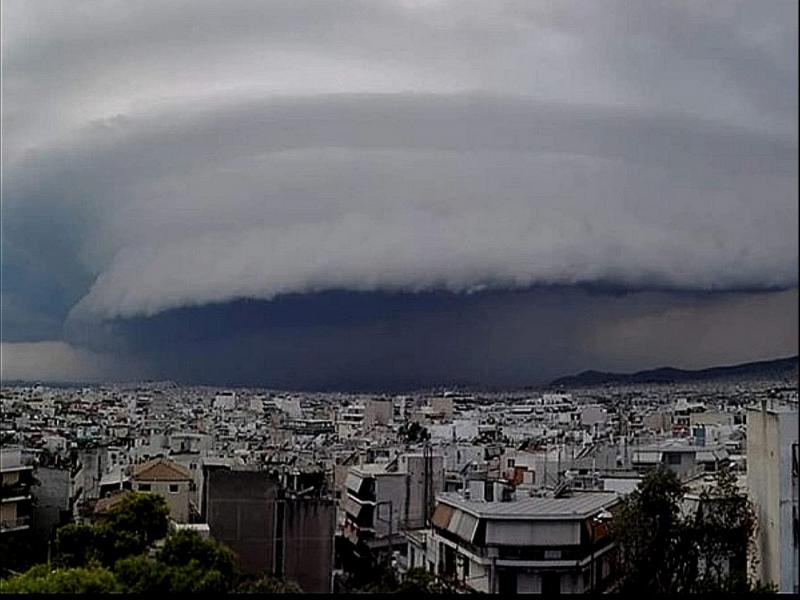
<point>551,584</point>
<point>673,458</point>
<point>411,558</point>
<point>795,461</point>
<point>466,567</point>
<point>507,582</point>
<point>173,488</point>
<point>510,463</point>
<point>144,487</point>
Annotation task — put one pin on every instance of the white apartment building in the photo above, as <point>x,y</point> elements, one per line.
<point>381,499</point>
<point>772,482</point>
<point>530,545</point>
<point>15,491</point>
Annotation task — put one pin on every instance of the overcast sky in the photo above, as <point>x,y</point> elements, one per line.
<point>397,193</point>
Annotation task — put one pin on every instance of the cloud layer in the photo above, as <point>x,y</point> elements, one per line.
<point>161,155</point>
<point>380,340</point>
<point>225,188</point>
<point>62,363</point>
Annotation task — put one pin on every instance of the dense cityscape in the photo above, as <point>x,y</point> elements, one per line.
<point>488,492</point>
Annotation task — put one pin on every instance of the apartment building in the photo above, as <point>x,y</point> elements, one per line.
<point>773,466</point>
<point>170,480</point>
<point>272,529</point>
<point>530,545</point>
<point>380,499</point>
<point>684,459</point>
<point>15,493</point>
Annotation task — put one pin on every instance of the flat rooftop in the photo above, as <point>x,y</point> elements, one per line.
<point>582,505</point>
<point>368,469</point>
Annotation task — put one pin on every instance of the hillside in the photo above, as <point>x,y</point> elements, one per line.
<point>779,368</point>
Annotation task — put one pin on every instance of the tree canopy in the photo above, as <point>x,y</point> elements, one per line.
<point>666,548</point>
<point>267,584</point>
<point>42,580</point>
<point>127,529</point>
<point>414,432</point>
<point>112,556</point>
<point>382,578</point>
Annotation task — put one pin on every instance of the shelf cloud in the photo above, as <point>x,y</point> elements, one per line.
<point>165,155</point>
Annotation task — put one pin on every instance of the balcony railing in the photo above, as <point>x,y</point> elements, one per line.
<point>15,490</point>
<point>13,524</point>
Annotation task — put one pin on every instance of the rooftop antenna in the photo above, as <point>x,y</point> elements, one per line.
<point>428,483</point>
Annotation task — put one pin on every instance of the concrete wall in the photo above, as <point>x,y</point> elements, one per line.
<point>389,487</point>
<point>593,414</point>
<point>378,412</point>
<point>711,418</point>
<point>416,514</point>
<point>530,582</point>
<point>309,532</point>
<point>292,537</point>
<point>685,468</point>
<point>52,499</point>
<point>94,462</point>
<point>541,533</point>
<point>177,501</point>
<point>240,512</point>
<point>443,406</point>
<point>194,464</point>
<point>658,421</point>
<point>773,490</point>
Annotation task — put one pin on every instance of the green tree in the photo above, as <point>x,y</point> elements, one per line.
<point>141,575</point>
<point>184,548</point>
<point>664,550</point>
<point>647,531</point>
<point>192,578</point>
<point>145,516</point>
<point>421,581</point>
<point>414,432</point>
<point>81,580</point>
<point>723,528</point>
<point>75,546</point>
<point>382,578</point>
<point>127,529</point>
<point>267,584</point>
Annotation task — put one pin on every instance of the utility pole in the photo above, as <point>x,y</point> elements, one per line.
<point>558,465</point>
<point>544,478</point>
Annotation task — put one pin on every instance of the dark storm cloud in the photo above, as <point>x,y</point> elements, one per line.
<point>350,340</point>
<point>166,155</point>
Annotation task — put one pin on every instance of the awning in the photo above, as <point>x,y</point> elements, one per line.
<point>353,482</point>
<point>463,525</point>
<point>652,458</point>
<point>352,508</point>
<point>598,531</point>
<point>442,515</point>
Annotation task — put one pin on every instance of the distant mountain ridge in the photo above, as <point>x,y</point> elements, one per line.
<point>782,367</point>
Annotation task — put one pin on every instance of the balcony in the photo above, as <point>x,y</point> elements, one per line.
<point>15,492</point>
<point>18,524</point>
